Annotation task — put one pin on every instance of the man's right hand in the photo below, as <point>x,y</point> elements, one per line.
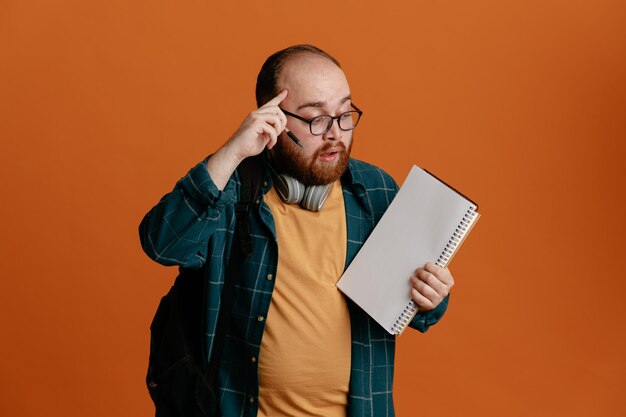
<point>259,130</point>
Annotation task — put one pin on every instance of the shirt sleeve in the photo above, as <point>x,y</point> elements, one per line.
<point>177,229</point>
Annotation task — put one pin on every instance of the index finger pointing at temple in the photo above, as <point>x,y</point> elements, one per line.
<point>276,100</point>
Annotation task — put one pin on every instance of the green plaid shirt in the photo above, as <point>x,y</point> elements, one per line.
<point>176,232</point>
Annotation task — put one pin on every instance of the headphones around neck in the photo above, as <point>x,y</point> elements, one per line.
<point>291,191</point>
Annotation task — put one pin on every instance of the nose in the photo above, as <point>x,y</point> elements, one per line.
<point>334,133</point>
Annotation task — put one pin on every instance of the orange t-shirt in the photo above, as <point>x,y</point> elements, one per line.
<point>304,363</point>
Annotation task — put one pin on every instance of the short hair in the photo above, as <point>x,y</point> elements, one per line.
<point>272,67</point>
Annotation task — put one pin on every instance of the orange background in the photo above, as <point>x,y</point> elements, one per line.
<point>105,104</point>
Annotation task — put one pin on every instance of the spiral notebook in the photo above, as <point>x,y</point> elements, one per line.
<point>427,221</point>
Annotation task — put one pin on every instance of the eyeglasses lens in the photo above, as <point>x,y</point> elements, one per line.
<point>322,124</point>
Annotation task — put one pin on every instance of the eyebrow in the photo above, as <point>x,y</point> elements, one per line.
<point>321,103</point>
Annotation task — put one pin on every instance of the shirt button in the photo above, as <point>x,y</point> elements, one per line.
<point>260,318</point>
<point>257,201</point>
<point>251,399</point>
<point>269,277</point>
<point>265,183</point>
<point>253,359</point>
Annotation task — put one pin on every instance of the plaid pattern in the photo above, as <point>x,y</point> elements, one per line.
<point>176,232</point>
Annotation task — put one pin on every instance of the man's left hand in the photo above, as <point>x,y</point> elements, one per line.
<point>431,284</point>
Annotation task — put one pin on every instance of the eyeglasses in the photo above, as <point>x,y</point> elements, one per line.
<point>319,125</point>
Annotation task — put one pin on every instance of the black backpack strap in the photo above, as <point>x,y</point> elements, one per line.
<point>250,177</point>
<point>249,171</point>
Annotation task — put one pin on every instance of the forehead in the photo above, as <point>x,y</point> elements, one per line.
<point>311,78</point>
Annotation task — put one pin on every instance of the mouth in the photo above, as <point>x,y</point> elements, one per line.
<point>330,155</point>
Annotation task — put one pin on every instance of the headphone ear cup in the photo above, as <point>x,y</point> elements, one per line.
<point>315,196</point>
<point>289,189</point>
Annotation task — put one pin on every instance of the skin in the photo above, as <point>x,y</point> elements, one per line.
<point>311,86</point>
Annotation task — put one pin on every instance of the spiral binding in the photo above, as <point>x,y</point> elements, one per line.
<point>405,318</point>
<point>455,240</point>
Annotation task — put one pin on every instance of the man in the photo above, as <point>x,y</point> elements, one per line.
<point>295,346</point>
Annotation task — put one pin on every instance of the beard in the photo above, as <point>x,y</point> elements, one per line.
<point>289,159</point>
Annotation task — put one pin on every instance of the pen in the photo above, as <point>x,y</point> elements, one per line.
<point>293,138</point>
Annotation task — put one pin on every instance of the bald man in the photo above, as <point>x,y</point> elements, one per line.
<point>295,345</point>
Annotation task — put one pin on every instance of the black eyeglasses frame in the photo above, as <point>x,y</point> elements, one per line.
<point>330,125</point>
